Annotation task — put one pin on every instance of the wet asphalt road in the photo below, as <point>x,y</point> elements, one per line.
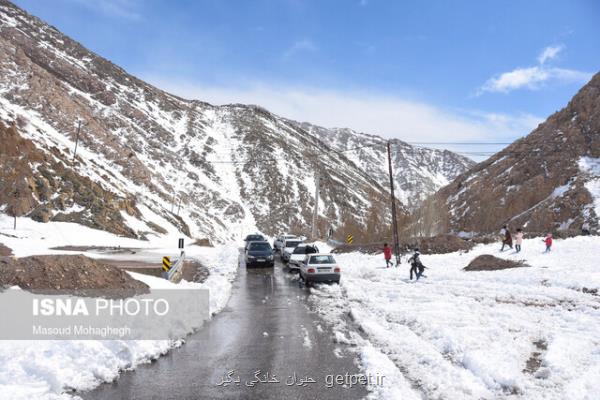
<point>263,300</point>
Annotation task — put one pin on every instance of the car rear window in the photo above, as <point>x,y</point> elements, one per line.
<point>300,250</point>
<point>263,246</point>
<point>291,243</point>
<point>255,238</point>
<point>327,259</point>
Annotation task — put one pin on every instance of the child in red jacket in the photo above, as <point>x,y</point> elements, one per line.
<point>548,242</point>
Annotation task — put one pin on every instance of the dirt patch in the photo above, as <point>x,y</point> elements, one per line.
<point>104,249</point>
<point>194,271</point>
<point>593,292</point>
<point>440,244</point>
<point>443,244</point>
<point>5,251</point>
<point>534,362</point>
<point>202,243</point>
<point>68,274</point>
<point>488,262</point>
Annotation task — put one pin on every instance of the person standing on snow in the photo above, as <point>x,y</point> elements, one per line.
<point>519,240</point>
<point>507,240</point>
<point>416,265</point>
<point>548,242</point>
<point>387,254</point>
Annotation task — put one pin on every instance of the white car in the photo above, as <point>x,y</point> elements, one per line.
<point>278,243</point>
<point>320,267</point>
<point>299,254</point>
<point>287,248</point>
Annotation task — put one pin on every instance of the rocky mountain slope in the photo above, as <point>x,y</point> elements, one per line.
<point>149,163</point>
<point>547,181</point>
<point>418,171</point>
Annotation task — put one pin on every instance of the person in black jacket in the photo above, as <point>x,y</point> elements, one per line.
<point>416,265</point>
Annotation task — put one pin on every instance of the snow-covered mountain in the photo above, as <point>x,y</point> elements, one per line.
<point>149,162</point>
<point>547,181</point>
<point>418,171</point>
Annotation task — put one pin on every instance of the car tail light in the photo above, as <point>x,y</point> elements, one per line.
<point>311,271</point>
<point>337,269</point>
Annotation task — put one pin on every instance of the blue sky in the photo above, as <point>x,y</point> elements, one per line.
<point>421,71</point>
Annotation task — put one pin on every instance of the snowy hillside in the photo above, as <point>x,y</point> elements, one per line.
<point>418,172</point>
<point>545,181</point>
<point>208,171</point>
<point>524,333</point>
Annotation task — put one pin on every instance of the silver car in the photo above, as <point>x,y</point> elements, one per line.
<point>287,248</point>
<point>278,243</point>
<point>299,254</point>
<point>320,267</point>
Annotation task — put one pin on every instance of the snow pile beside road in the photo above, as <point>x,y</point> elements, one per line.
<point>527,333</point>
<point>222,263</point>
<point>54,369</point>
<point>50,369</point>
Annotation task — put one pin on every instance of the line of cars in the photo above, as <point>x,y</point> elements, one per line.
<point>305,258</point>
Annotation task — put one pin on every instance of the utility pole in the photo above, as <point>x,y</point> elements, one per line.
<point>14,208</point>
<point>316,210</point>
<point>393,198</point>
<point>77,139</point>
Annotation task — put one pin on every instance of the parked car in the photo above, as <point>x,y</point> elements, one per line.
<point>259,254</point>
<point>299,254</point>
<point>278,243</point>
<point>288,247</point>
<point>320,267</point>
<point>253,238</point>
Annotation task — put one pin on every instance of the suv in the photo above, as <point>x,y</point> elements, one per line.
<point>320,268</point>
<point>288,247</point>
<point>299,254</point>
<point>259,254</point>
<point>278,243</point>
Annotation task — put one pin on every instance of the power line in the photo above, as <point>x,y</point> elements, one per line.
<point>461,143</point>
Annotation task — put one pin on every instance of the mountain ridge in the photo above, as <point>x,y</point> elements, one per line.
<point>226,169</point>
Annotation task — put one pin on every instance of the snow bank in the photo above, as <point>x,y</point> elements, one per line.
<point>53,369</point>
<point>472,335</point>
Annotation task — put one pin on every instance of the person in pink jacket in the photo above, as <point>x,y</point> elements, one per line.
<point>518,240</point>
<point>548,242</point>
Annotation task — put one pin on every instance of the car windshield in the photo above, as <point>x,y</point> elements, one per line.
<point>292,243</point>
<point>261,246</point>
<point>326,259</point>
<point>300,250</point>
<point>254,238</point>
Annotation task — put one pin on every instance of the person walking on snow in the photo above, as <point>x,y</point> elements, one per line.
<point>519,240</point>
<point>548,242</point>
<point>387,254</point>
<point>507,241</point>
<point>416,265</point>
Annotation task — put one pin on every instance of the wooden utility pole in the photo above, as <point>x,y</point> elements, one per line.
<point>14,208</point>
<point>77,138</point>
<point>316,210</point>
<point>393,199</point>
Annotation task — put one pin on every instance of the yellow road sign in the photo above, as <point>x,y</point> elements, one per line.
<point>166,264</point>
<point>349,239</point>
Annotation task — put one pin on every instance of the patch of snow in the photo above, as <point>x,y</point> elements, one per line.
<point>469,335</point>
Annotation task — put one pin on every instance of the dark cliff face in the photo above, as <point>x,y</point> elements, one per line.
<point>543,182</point>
